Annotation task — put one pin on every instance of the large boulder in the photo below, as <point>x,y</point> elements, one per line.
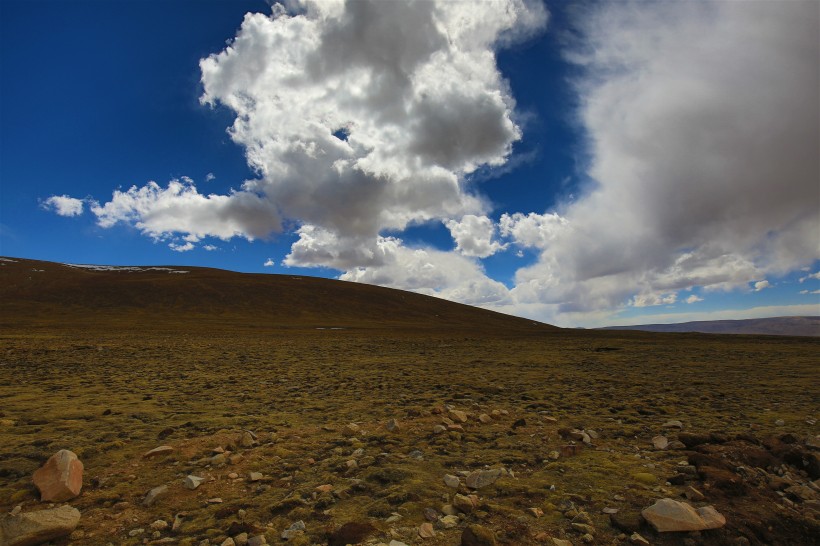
<point>61,478</point>
<point>668,515</point>
<point>38,527</point>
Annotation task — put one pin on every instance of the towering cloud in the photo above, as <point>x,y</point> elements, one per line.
<point>702,119</point>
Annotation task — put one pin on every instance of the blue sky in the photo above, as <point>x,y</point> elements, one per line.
<point>611,163</point>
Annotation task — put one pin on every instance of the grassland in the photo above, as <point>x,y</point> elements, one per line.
<point>112,375</point>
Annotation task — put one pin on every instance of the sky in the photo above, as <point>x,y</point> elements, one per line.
<point>584,164</point>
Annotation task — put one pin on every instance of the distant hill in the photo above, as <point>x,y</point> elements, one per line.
<point>46,294</point>
<point>776,326</point>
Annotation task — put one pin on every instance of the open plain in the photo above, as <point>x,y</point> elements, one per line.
<point>345,406</point>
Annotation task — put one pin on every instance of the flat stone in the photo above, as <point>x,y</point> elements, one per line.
<point>158,452</point>
<point>61,478</point>
<point>668,515</point>
<point>438,429</point>
<point>560,542</point>
<point>192,482</point>
<point>674,423</point>
<point>660,442</point>
<point>154,495</point>
<point>693,494</point>
<point>31,528</point>
<point>255,476</point>
<point>482,478</point>
<point>484,418</point>
<point>451,481</point>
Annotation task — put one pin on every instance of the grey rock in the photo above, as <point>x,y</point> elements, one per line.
<point>154,495</point>
<point>192,482</point>
<point>451,481</point>
<point>483,478</point>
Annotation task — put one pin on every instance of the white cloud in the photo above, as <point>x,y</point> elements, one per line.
<point>209,177</point>
<point>702,121</point>
<point>474,236</point>
<point>210,248</point>
<point>810,276</point>
<point>63,205</point>
<point>532,230</point>
<point>693,299</point>
<point>761,285</point>
<point>269,263</point>
<point>180,209</point>
<point>649,300</point>
<point>810,291</point>
<point>181,247</point>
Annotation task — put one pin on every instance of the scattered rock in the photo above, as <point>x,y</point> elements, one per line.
<point>154,495</point>
<point>476,535</point>
<point>670,515</point>
<point>638,539</point>
<point>255,476</point>
<point>484,418</point>
<point>673,424</point>
<point>61,478</point>
<point>351,429</point>
<point>28,529</point>
<point>560,542</point>
<point>457,416</point>
<point>247,439</point>
<point>448,522</point>
<point>258,540</point>
<point>553,455</point>
<point>482,478</point>
<point>438,429</point>
<point>158,452</point>
<point>463,503</point>
<point>392,425</point>
<point>159,525</point>
<point>426,530</point>
<point>660,442</point>
<point>535,512</point>
<point>192,482</point>
<point>294,530</point>
<point>451,481</point>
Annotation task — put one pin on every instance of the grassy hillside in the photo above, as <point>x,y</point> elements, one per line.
<point>46,293</point>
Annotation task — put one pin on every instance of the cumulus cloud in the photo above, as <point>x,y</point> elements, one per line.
<point>269,263</point>
<point>532,230</point>
<point>702,123</point>
<point>181,247</point>
<point>474,236</point>
<point>179,208</point>
<point>63,205</point>
<point>761,285</point>
<point>693,299</point>
<point>649,300</point>
<point>810,276</point>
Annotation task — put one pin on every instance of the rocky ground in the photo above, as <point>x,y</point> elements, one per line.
<point>413,437</point>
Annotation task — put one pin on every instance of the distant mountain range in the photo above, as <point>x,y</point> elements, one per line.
<point>775,326</point>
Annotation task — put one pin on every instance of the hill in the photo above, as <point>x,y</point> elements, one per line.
<point>46,293</point>
<point>774,326</point>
